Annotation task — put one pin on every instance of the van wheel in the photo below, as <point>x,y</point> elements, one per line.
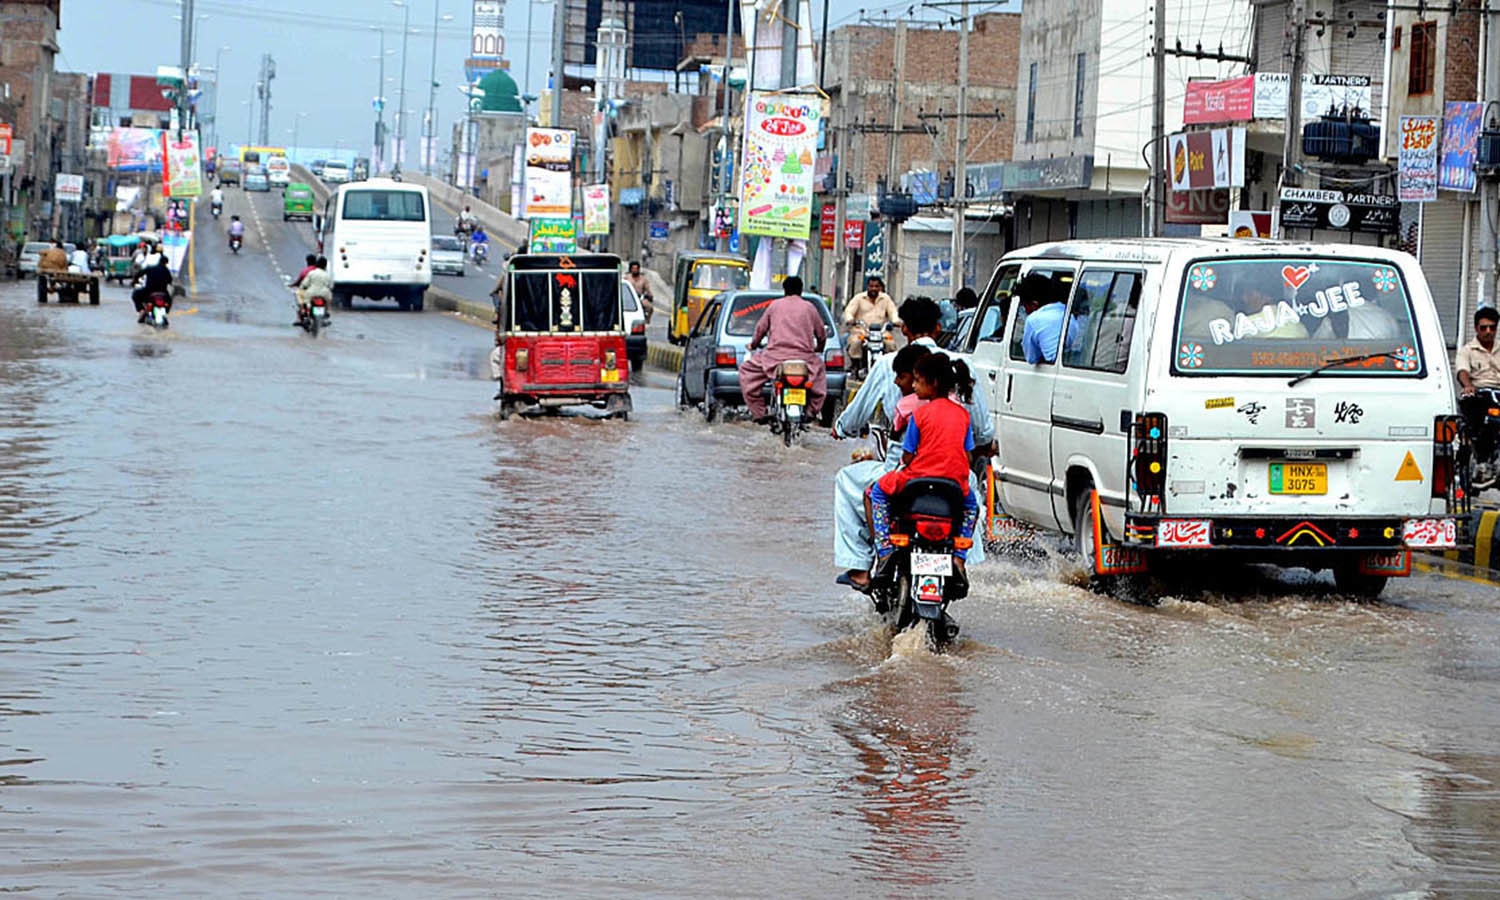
<point>1350,580</point>
<point>1130,588</point>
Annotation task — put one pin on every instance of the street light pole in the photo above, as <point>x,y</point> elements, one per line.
<point>401,96</point>
<point>431,128</point>
<point>218,84</point>
<point>377,160</point>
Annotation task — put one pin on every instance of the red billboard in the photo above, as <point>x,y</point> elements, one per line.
<point>1214,102</point>
<point>828,225</point>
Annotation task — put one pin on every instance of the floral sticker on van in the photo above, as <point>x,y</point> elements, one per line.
<point>1277,315</point>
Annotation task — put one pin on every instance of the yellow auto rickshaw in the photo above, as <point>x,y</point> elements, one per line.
<point>698,276</point>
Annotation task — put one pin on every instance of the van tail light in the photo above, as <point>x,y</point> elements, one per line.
<point>932,528</point>
<point>1148,460</point>
<point>1450,443</point>
<point>725,356</point>
<point>833,359</point>
<point>638,328</point>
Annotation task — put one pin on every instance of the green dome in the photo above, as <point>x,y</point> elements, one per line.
<point>500,93</point>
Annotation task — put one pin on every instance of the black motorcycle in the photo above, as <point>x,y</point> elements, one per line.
<point>1484,472</point>
<point>918,580</point>
<point>786,399</point>
<point>235,242</point>
<point>155,311</point>
<point>217,209</point>
<point>314,316</point>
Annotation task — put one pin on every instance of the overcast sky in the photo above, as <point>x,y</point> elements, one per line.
<point>326,55</point>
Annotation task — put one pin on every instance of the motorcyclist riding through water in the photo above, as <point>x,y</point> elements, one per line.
<point>216,201</point>
<point>156,278</point>
<point>791,328</point>
<point>314,282</point>
<point>236,230</point>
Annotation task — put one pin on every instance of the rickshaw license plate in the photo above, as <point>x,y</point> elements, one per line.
<point>1299,478</point>
<point>609,375</point>
<point>931,564</point>
<point>794,397</point>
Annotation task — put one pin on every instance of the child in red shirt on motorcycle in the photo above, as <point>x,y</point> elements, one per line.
<point>937,444</point>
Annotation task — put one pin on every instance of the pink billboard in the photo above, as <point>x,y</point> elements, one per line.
<point>1213,102</point>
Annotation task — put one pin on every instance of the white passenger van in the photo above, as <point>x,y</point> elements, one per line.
<point>377,235</point>
<point>1264,401</point>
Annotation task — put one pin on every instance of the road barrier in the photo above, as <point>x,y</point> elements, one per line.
<point>1484,528</point>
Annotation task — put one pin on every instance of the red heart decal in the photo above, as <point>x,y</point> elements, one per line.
<point>1295,276</point>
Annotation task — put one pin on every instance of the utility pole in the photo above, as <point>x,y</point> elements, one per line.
<point>961,155</point>
<point>892,178</point>
<point>1157,188</point>
<point>400,153</point>
<point>1487,200</point>
<point>1290,150</point>
<point>267,72</point>
<point>430,150</point>
<point>187,62</point>
<point>559,25</point>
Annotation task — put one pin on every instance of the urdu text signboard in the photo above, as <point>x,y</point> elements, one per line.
<point>781,141</point>
<point>548,188</point>
<point>1417,159</point>
<point>69,188</point>
<point>596,209</point>
<point>554,236</point>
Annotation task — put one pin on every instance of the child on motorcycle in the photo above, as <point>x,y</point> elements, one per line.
<point>937,444</point>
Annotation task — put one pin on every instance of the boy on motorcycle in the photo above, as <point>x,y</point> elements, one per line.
<point>236,230</point>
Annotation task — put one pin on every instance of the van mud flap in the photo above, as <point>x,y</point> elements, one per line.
<point>1111,558</point>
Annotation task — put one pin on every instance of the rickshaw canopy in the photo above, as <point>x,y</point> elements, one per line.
<point>563,294</point>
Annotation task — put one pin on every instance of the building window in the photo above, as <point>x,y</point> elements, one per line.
<point>1423,58</point>
<point>1031,106</point>
<point>1080,73</point>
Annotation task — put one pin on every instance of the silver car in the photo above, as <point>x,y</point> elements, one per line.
<point>447,255</point>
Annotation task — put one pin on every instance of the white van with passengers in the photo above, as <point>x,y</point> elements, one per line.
<point>1261,401</point>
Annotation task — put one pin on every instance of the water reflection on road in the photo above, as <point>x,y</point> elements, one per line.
<point>284,616</point>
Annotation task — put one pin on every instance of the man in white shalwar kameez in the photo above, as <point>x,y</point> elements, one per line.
<point>853,545</point>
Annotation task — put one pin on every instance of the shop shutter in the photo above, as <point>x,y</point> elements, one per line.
<point>1442,261</point>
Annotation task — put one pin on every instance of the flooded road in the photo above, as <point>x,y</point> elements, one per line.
<point>283,616</point>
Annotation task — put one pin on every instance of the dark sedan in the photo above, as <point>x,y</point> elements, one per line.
<point>719,342</point>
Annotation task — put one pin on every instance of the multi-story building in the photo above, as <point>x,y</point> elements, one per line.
<point>1084,117</point>
<point>130,101</point>
<point>28,48</point>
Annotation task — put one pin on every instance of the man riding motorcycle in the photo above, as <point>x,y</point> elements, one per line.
<point>216,201</point>
<point>236,230</point>
<point>873,307</point>
<point>317,282</point>
<point>466,223</point>
<point>479,244</point>
<point>157,280</point>
<point>1478,368</point>
<point>791,328</point>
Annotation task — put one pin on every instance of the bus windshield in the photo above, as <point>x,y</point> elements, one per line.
<point>1277,316</point>
<point>384,206</point>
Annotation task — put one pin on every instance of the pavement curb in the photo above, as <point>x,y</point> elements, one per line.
<point>664,356</point>
<point>447,301</point>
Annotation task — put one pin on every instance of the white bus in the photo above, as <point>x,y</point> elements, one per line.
<point>377,235</point>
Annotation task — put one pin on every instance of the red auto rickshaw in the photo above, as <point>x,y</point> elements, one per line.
<point>562,334</point>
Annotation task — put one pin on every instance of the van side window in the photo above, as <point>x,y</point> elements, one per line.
<point>1101,320</point>
<point>991,324</point>
<point>1062,286</point>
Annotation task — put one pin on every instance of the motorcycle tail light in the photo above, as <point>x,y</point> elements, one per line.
<point>317,301</point>
<point>1493,412</point>
<point>833,359</point>
<point>638,328</point>
<point>963,543</point>
<point>934,529</point>
<point>725,356</point>
<point>794,380</point>
<point>900,540</point>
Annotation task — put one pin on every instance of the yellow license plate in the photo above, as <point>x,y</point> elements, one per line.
<point>609,375</point>
<point>794,397</point>
<point>1299,478</point>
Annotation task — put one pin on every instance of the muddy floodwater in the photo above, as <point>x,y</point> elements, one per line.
<point>285,617</point>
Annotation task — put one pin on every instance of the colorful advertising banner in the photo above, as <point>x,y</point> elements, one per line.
<point>130,149</point>
<point>854,234</point>
<point>781,138</point>
<point>548,190</point>
<point>1207,160</point>
<point>554,236</point>
<point>1460,146</point>
<point>1417,159</point>
<point>596,209</point>
<point>1217,102</point>
<point>1249,223</point>
<point>182,167</point>
<point>175,245</point>
<point>828,224</point>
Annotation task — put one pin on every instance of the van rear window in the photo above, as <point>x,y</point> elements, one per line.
<point>1274,316</point>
